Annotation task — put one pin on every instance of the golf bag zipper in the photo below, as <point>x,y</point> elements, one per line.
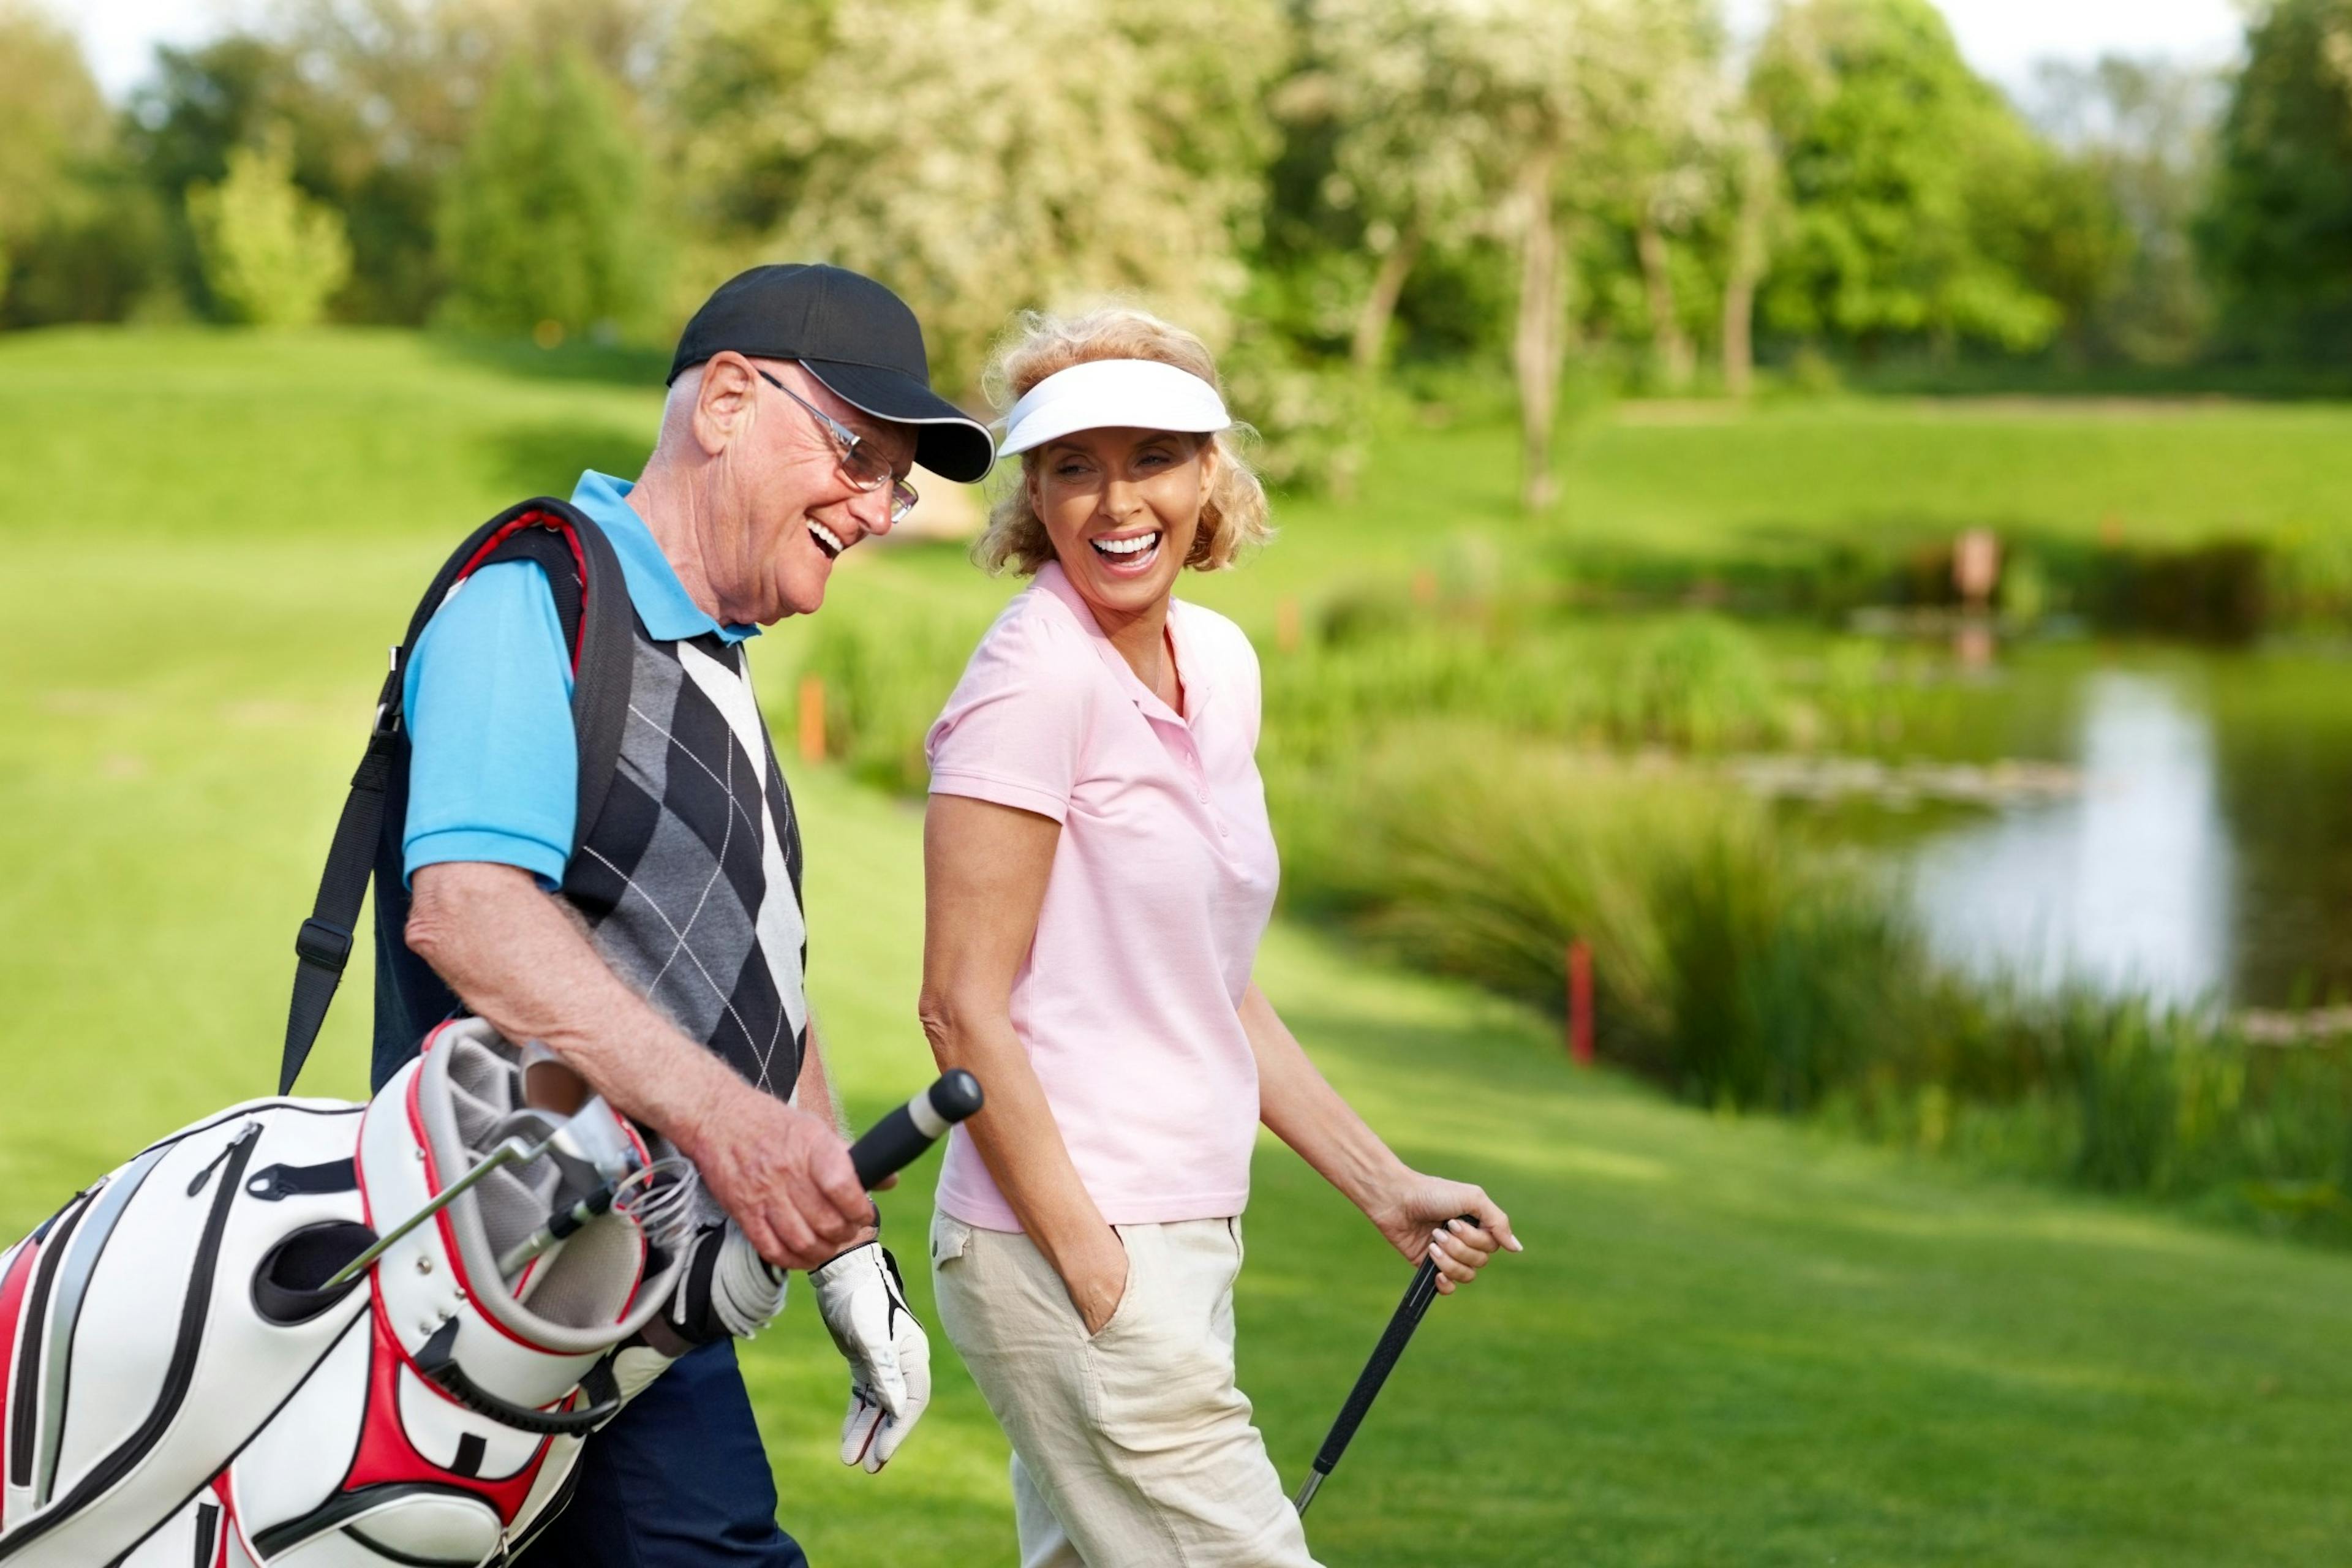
<point>177,1375</point>
<point>196,1184</point>
<point>24,1420</point>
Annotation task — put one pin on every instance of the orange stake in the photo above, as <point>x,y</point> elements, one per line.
<point>812,718</point>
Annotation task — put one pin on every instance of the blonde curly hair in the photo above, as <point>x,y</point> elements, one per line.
<point>1233,515</point>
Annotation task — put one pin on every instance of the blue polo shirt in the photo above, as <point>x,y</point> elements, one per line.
<point>494,767</point>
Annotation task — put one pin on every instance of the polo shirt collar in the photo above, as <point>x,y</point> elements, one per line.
<point>661,601</point>
<point>1194,671</point>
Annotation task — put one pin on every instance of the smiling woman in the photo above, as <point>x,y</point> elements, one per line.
<point>1097,364</point>
<point>1098,870</point>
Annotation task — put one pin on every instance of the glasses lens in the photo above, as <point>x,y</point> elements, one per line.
<point>902,501</point>
<point>863,468</point>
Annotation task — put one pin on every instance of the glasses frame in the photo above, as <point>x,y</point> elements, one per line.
<point>846,442</point>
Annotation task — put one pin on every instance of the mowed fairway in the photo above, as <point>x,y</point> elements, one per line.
<point>1729,1342</point>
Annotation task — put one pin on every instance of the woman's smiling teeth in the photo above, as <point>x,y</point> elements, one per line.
<point>826,539</point>
<point>1132,552</point>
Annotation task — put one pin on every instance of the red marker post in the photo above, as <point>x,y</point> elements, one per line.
<point>1580,1003</point>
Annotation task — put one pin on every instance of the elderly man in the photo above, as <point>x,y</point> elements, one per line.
<point>663,960</point>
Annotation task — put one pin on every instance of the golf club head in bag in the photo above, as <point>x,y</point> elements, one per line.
<point>195,1373</point>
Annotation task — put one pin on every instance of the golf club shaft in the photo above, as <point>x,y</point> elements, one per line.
<point>1418,1295</point>
<point>556,1229</point>
<point>514,1151</point>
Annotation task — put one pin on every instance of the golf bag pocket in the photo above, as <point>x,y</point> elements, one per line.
<point>136,1357</point>
<point>403,1525</point>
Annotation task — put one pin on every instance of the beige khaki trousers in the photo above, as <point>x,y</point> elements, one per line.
<point>1133,1447</point>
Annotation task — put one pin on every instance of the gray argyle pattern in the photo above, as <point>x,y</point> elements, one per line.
<point>691,880</point>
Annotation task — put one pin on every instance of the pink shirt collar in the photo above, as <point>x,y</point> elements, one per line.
<point>1193,672</point>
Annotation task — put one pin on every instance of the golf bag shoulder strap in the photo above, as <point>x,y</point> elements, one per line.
<point>592,604</point>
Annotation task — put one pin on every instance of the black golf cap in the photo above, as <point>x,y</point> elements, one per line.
<point>854,335</point>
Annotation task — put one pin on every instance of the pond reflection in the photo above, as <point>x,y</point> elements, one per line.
<point>2130,885</point>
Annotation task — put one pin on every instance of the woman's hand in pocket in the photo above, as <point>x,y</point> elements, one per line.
<point>1096,1281</point>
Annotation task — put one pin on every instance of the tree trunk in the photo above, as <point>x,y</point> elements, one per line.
<point>1666,335</point>
<point>1535,346</point>
<point>1746,267</point>
<point>1378,308</point>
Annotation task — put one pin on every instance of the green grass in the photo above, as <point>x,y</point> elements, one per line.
<point>1729,1340</point>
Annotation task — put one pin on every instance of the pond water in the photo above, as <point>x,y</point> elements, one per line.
<point>2206,853</point>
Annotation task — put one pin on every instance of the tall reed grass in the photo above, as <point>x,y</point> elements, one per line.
<point>1742,970</point>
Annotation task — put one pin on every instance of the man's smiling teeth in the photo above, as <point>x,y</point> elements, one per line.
<point>826,539</point>
<point>1117,547</point>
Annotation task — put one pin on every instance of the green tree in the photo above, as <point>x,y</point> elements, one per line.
<point>982,156</point>
<point>1898,158</point>
<point>2143,129</point>
<point>545,217</point>
<point>1668,164</point>
<point>2278,233</point>
<point>406,81</point>
<point>1405,156</point>
<point>271,256</point>
<point>52,125</point>
<point>198,107</point>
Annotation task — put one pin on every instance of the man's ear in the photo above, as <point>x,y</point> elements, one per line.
<point>725,403</point>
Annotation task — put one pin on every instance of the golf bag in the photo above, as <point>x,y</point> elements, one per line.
<point>188,1381</point>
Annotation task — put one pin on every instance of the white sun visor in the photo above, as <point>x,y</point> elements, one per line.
<point>1113,393</point>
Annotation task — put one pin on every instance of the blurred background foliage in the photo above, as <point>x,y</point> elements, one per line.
<point>1542,195</point>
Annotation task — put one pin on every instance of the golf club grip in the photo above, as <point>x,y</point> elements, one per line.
<point>1402,1323</point>
<point>900,1139</point>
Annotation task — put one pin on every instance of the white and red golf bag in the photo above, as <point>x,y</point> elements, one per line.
<point>186,1380</point>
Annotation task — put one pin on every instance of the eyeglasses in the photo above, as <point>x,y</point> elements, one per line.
<point>863,467</point>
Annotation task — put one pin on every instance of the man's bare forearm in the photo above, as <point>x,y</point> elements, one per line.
<point>517,956</point>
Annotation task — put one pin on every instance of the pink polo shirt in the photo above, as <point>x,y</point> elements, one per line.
<point>1162,881</point>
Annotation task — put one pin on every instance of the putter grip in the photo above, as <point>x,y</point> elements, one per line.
<point>1406,1319</point>
<point>900,1139</point>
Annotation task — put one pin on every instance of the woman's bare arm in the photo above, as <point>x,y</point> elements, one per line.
<point>1415,1212</point>
<point>984,872</point>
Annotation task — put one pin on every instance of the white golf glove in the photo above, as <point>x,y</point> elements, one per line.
<point>863,1304</point>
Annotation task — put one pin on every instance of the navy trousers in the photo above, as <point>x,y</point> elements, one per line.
<point>678,1480</point>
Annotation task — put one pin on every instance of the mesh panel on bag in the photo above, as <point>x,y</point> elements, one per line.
<point>587,1282</point>
<point>590,1280</point>
<point>486,1103</point>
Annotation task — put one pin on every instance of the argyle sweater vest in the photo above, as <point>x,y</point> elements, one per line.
<point>691,879</point>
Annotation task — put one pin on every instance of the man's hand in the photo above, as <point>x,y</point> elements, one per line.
<point>1421,1215</point>
<point>782,1176</point>
<point>864,1303</point>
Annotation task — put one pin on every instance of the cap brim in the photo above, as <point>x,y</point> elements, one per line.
<point>948,441</point>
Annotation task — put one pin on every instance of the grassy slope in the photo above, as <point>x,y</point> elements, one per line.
<point>1727,1342</point>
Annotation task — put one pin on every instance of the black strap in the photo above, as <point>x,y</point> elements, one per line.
<point>591,603</point>
<point>436,1358</point>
